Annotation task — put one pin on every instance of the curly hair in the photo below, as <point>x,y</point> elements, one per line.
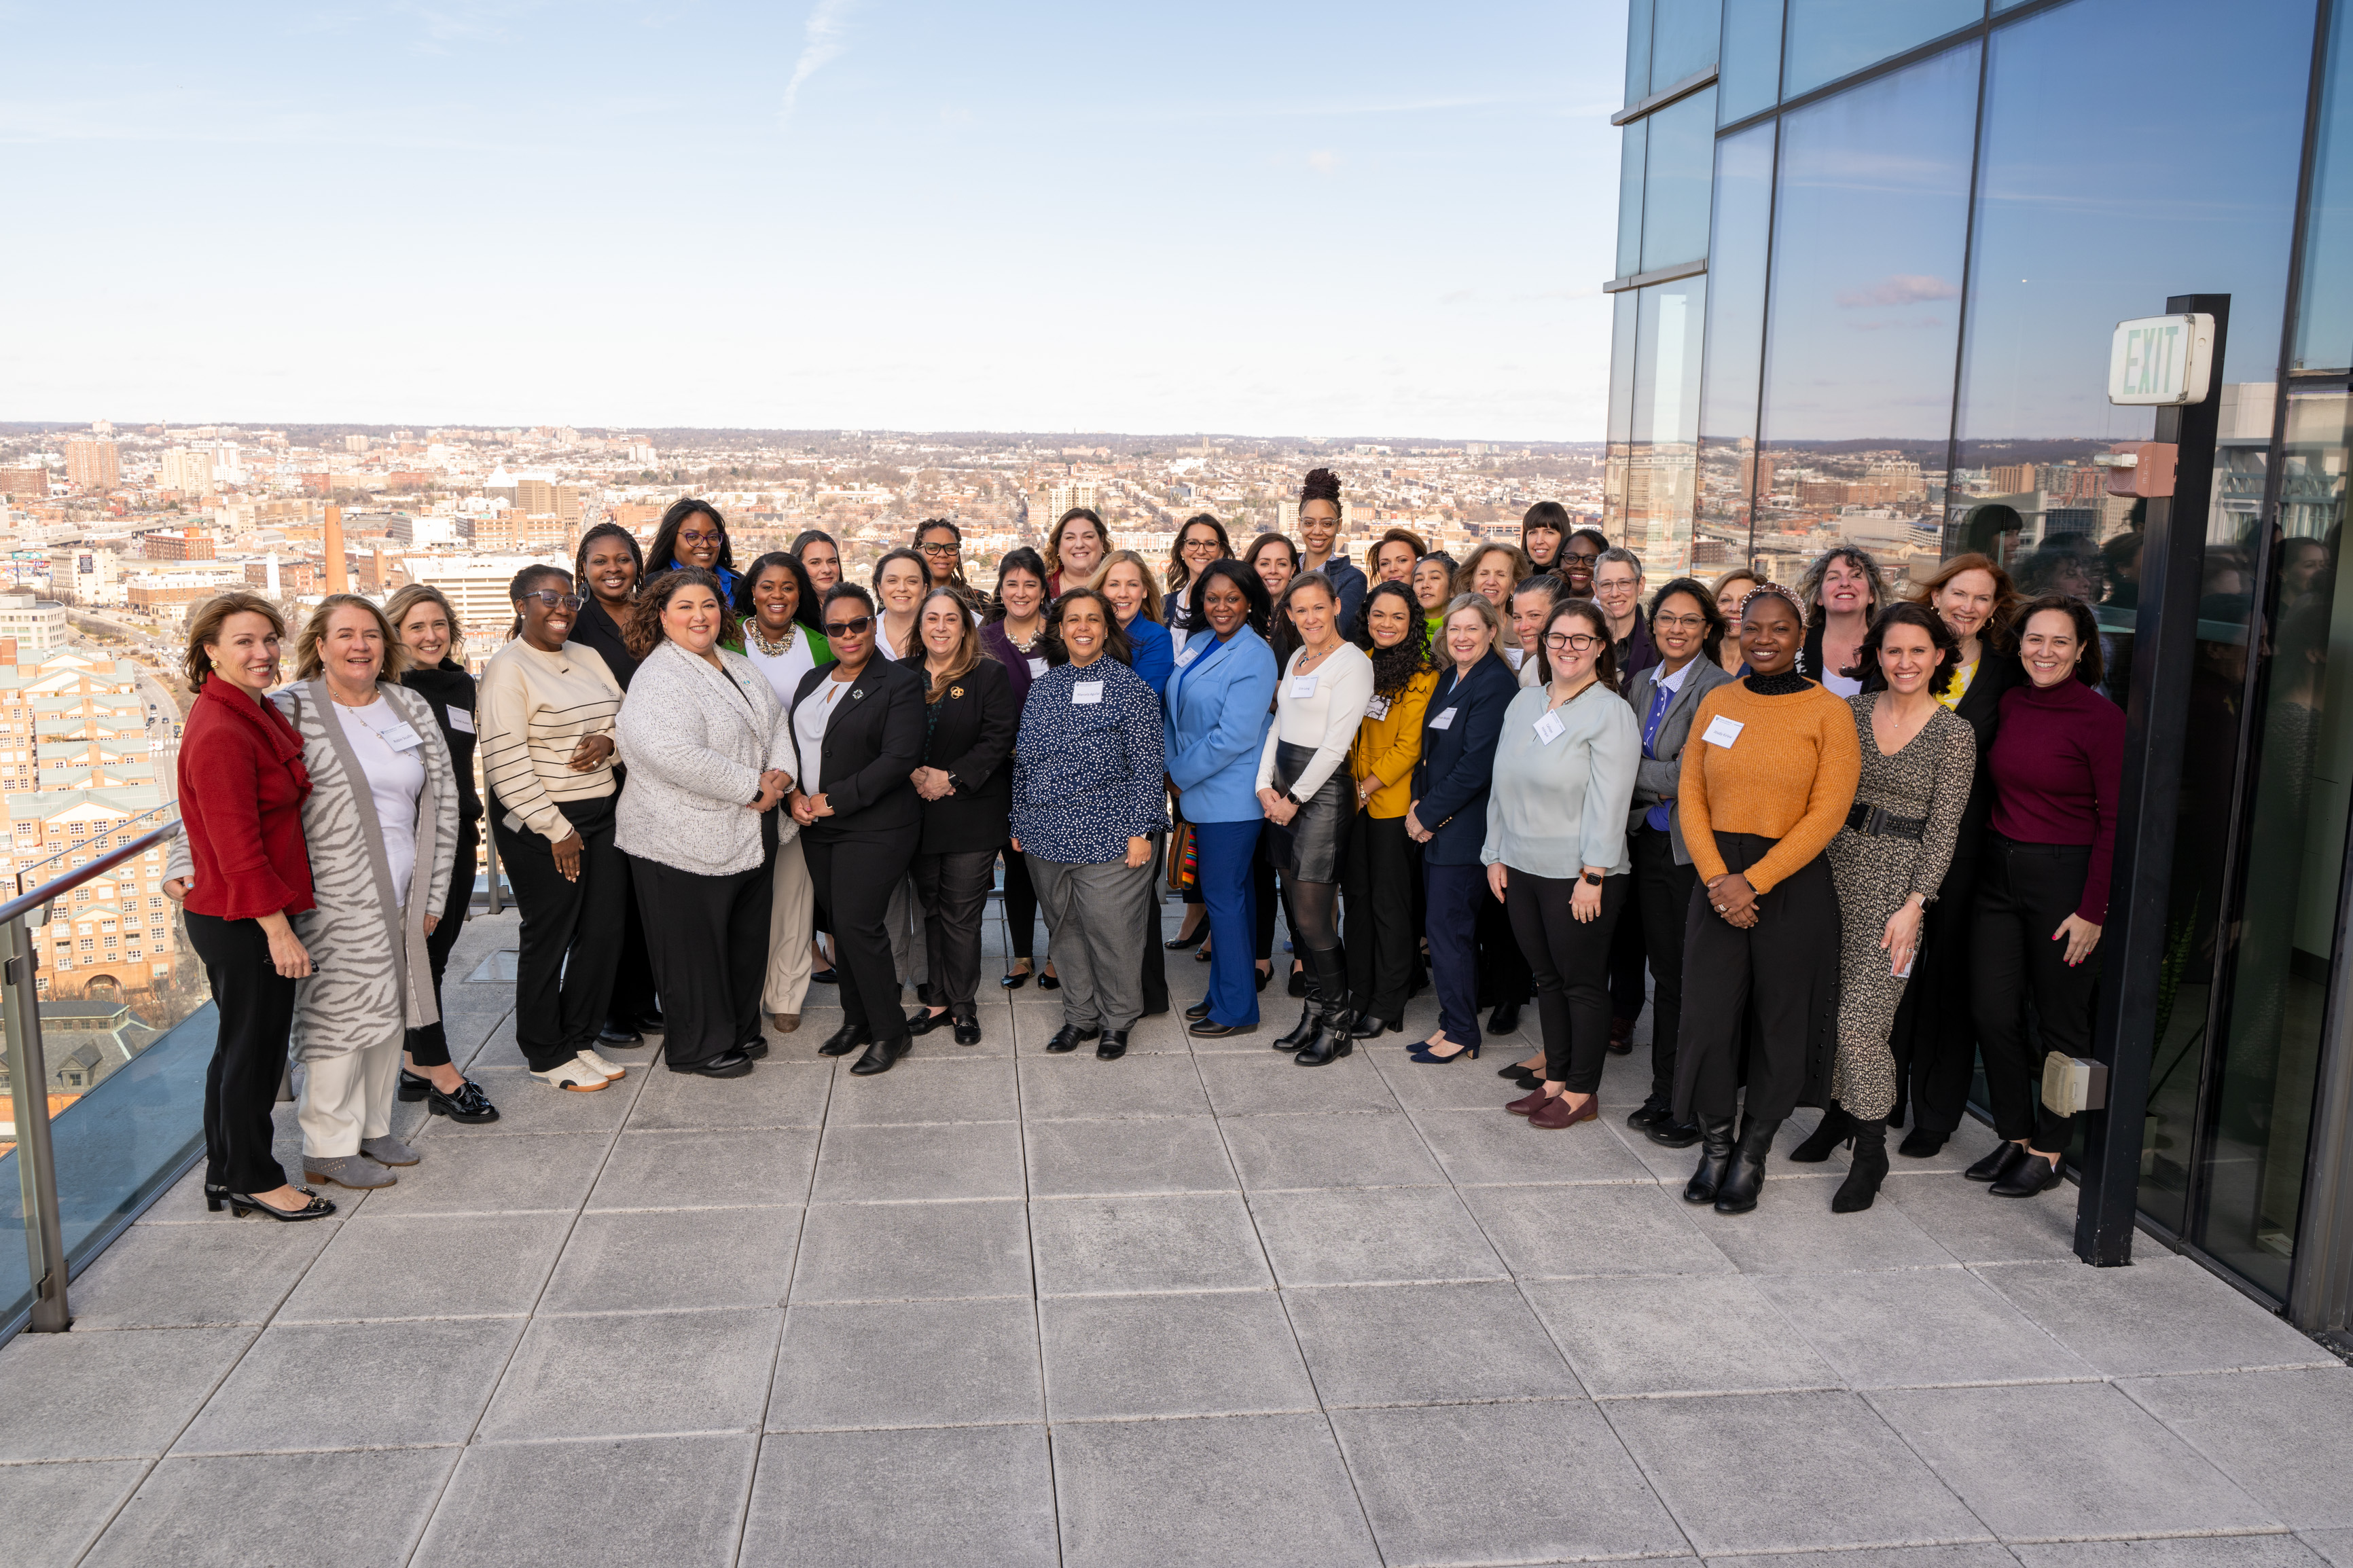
<point>1810,587</point>
<point>644,632</point>
<point>1394,667</point>
<point>1320,484</point>
<point>204,627</point>
<point>1905,612</point>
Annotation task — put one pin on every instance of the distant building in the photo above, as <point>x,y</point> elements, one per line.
<point>28,484</point>
<point>476,585</point>
<point>34,624</point>
<point>91,465</point>
<point>187,470</point>
<point>85,574</point>
<point>177,544</point>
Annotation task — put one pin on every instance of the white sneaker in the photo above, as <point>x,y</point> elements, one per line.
<point>574,1074</point>
<point>597,1064</point>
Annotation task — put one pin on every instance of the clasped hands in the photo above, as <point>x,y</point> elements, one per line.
<point>775,783</point>
<point>1733,899</point>
<point>1280,808</point>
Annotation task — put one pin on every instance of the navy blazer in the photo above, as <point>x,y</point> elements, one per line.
<point>1217,707</point>
<point>1458,760</point>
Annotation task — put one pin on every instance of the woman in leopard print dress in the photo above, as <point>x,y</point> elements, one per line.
<point>1888,862</point>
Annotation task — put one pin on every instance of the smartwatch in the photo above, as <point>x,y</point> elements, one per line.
<point>1592,878</point>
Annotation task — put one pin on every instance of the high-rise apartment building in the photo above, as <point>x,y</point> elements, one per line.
<point>188,470</point>
<point>25,484</point>
<point>91,465</point>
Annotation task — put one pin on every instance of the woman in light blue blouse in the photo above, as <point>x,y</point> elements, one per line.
<point>1555,851</point>
<point>1088,793</point>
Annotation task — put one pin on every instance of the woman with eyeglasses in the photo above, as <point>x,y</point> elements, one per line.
<point>941,545</point>
<point>1319,533</point>
<point>610,568</point>
<point>1075,548</point>
<point>779,625</point>
<point>1579,553</point>
<point>1556,848</point>
<point>1378,928</point>
<point>546,710</point>
<point>693,533</point>
<point>1015,636</point>
<point>1201,540</point>
<point>857,727</point>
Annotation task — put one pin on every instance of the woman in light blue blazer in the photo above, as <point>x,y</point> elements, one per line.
<point>1219,703</point>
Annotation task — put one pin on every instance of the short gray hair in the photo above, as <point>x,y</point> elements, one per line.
<point>1618,553</point>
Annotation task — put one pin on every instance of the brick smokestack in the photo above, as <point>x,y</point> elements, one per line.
<point>338,577</point>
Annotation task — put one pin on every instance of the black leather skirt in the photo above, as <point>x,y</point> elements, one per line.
<point>1313,847</point>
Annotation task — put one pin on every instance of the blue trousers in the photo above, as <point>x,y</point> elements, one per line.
<point>1456,893</point>
<point>1225,851</point>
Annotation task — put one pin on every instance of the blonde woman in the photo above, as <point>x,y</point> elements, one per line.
<point>1728,591</point>
<point>1126,580</point>
<point>1491,570</point>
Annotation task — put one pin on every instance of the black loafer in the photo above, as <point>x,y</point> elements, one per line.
<point>1673,1134</point>
<point>1996,1164</point>
<point>1069,1037</point>
<point>1210,1029</point>
<point>726,1064</point>
<point>1299,983</point>
<point>1199,1010</point>
<point>1504,1018</point>
<point>1264,976</point>
<point>414,1086</point>
<point>1649,1113</point>
<point>756,1048</point>
<point>470,1107</point>
<point>824,977</point>
<point>2030,1174</point>
<point>844,1040</point>
<point>922,1021</point>
<point>880,1056</point>
<point>1112,1045</point>
<point>1014,981</point>
<point>1371,1029</point>
<point>967,1031</point>
<point>616,1033</point>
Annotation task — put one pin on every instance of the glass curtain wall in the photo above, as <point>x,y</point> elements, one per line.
<point>1736,348</point>
<point>1832,38</point>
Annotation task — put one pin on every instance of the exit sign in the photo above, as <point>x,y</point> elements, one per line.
<point>2161,360</point>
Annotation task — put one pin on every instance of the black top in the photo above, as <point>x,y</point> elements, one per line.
<point>1981,705</point>
<point>448,688</point>
<point>874,740</point>
<point>596,628</point>
<point>972,733</point>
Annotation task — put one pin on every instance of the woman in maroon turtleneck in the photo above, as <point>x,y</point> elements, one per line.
<point>2043,887</point>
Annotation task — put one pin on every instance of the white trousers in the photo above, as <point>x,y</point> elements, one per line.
<point>348,1097</point>
<point>791,915</point>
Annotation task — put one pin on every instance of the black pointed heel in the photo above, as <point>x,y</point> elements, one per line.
<point>1835,1128</point>
<point>243,1204</point>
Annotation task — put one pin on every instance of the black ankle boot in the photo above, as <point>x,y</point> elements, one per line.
<point>1870,1168</point>
<point>1714,1159</point>
<point>1335,1026</point>
<point>1836,1128</point>
<point>1737,1192</point>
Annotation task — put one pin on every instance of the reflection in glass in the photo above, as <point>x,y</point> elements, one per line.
<point>1622,345</point>
<point>1749,72</point>
<point>1735,346</point>
<point>1630,198</point>
<point>1675,181</point>
<point>1830,38</point>
<point>1655,517</point>
<point>1638,51</point>
<point>1869,230</point>
<point>2324,334</point>
<point>1682,39</point>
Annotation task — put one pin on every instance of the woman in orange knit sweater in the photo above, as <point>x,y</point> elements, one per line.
<point>1766,784</point>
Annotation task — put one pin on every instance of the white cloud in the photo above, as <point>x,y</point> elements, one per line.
<point>824,39</point>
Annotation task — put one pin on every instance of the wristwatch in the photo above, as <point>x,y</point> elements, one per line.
<point>1592,878</point>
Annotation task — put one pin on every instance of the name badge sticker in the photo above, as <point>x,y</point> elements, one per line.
<point>462,721</point>
<point>1723,731</point>
<point>1037,667</point>
<point>1378,708</point>
<point>1303,686</point>
<point>1549,729</point>
<point>1445,720</point>
<point>1518,656</point>
<point>1188,656</point>
<point>402,738</point>
<point>1086,691</point>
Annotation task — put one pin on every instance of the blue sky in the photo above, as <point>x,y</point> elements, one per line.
<point>1309,219</point>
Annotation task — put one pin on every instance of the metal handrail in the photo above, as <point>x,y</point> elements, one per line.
<point>28,1080</point>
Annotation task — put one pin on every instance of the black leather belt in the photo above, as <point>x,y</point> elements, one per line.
<point>1876,822</point>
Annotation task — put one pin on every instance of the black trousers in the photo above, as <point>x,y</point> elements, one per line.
<point>1271,895</point>
<point>855,878</point>
<point>635,996</point>
<point>1663,894</point>
<point>1934,1036</point>
<point>1503,977</point>
<point>1376,917</point>
<point>429,1046</point>
<point>1021,903</point>
<point>1774,987</point>
<point>953,893</point>
<point>1155,957</point>
<point>1629,957</point>
<point>571,935</point>
<point>2023,891</point>
<point>708,939</point>
<point>257,1012</point>
<point>1568,958</point>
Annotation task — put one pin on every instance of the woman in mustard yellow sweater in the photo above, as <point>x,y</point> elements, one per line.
<point>1378,931</point>
<point>1768,778</point>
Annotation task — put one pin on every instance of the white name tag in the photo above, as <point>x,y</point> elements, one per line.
<point>462,721</point>
<point>1086,691</point>
<point>1515,654</point>
<point>1037,667</point>
<point>1445,720</point>
<point>1722,732</point>
<point>1303,686</point>
<point>401,738</point>
<point>1378,708</point>
<point>1549,729</point>
<point>1188,656</point>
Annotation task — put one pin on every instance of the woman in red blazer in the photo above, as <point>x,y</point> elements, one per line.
<point>242,783</point>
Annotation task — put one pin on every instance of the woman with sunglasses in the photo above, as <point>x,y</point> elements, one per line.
<point>546,712</point>
<point>693,533</point>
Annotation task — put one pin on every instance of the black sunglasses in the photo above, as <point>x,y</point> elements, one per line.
<point>849,628</point>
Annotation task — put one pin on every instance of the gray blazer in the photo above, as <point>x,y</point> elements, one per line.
<point>1661,778</point>
<point>695,741</point>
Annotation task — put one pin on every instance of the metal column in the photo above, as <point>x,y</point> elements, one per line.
<point>36,1171</point>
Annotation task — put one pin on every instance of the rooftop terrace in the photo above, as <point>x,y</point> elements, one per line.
<point>1200,1306</point>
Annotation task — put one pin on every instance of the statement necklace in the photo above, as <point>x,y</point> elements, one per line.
<point>761,644</point>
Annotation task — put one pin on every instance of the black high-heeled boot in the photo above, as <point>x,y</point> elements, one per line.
<point>1746,1180</point>
<point>1304,1033</point>
<point>1869,1169</point>
<point>1714,1159</point>
<point>1835,1129</point>
<point>1327,986</point>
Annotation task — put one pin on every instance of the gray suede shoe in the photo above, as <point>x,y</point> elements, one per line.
<point>355,1171</point>
<point>388,1150</point>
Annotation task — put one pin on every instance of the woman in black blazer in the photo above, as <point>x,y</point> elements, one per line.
<point>967,786</point>
<point>857,727</point>
<point>1933,1038</point>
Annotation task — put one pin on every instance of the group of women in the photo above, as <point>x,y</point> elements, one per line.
<point>1861,821</point>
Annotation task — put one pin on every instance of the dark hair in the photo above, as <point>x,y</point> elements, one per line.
<point>1605,662</point>
<point>608,531</point>
<point>845,589</point>
<point>1405,536</point>
<point>1115,643</point>
<point>955,578</point>
<point>1446,594</point>
<point>1600,540</point>
<point>643,634</point>
<point>1393,667</point>
<point>808,536</point>
<point>204,627</point>
<point>663,555</point>
<point>1712,640</point>
<point>805,611</point>
<point>1764,590</point>
<point>1258,616</point>
<point>969,653</point>
<point>1908,613</point>
<point>1178,573</point>
<point>1054,539</point>
<point>1252,550</point>
<point>1021,558</point>
<point>1810,590</point>
<point>1548,514</point>
<point>538,571</point>
<point>2089,667</point>
<point>901,553</point>
<point>1320,484</point>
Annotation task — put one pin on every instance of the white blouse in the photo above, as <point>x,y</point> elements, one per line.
<point>810,721</point>
<point>395,778</point>
<point>784,671</point>
<point>1322,709</point>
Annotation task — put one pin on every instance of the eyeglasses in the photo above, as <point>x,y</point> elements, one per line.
<point>1572,642</point>
<point>686,537</point>
<point>950,549</point>
<point>849,628</point>
<point>1680,623</point>
<point>551,599</point>
<point>1201,547</point>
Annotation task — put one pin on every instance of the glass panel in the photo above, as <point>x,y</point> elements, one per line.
<point>2254,1153</point>
<point>1830,38</point>
<point>1638,51</point>
<point>1735,346</point>
<point>1630,198</point>
<point>1868,233</point>
<point>1655,522</point>
<point>1749,74</point>
<point>1622,346</point>
<point>2324,333</point>
<point>1676,183</point>
<point>1683,39</point>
